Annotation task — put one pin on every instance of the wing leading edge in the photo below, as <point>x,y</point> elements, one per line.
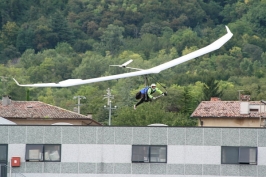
<point>73,82</point>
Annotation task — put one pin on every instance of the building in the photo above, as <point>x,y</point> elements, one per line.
<point>39,113</point>
<point>107,151</point>
<point>243,113</point>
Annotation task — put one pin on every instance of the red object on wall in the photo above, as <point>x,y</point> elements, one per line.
<point>15,161</point>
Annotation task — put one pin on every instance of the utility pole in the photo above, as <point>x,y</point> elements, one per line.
<point>239,91</point>
<point>109,104</point>
<point>79,98</point>
<point>4,80</point>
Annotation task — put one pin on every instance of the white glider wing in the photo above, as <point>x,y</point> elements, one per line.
<point>124,64</point>
<point>73,82</point>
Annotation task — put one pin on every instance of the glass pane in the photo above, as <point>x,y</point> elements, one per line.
<point>34,152</point>
<point>3,152</point>
<point>163,154</point>
<point>253,155</point>
<point>230,155</point>
<point>248,155</point>
<point>158,154</point>
<point>3,170</point>
<point>140,153</point>
<point>52,152</point>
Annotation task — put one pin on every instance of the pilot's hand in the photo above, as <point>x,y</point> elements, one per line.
<point>164,94</point>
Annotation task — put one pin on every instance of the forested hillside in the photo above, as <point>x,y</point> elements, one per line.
<point>54,40</point>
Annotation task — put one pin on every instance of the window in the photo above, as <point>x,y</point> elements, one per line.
<point>149,153</point>
<point>3,152</point>
<point>239,155</point>
<point>43,152</point>
<point>3,160</point>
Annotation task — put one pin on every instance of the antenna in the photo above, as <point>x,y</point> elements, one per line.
<point>4,80</point>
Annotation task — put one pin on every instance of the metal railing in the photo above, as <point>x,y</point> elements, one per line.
<point>6,173</point>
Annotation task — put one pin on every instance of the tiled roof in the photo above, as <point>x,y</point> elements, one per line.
<point>223,109</point>
<point>37,110</point>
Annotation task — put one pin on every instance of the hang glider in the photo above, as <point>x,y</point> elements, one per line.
<point>73,82</point>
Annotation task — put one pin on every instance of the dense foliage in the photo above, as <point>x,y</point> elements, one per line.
<point>50,41</point>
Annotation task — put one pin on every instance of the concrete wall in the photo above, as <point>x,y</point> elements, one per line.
<point>106,151</point>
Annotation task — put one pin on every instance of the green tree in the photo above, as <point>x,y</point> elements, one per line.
<point>252,51</point>
<point>29,59</point>
<point>246,67</point>
<point>187,102</point>
<point>257,18</point>
<point>112,38</point>
<point>150,113</point>
<point>61,97</point>
<point>25,39</point>
<point>94,102</point>
<point>44,38</point>
<point>184,38</point>
<point>211,89</point>
<point>42,72</point>
<point>9,53</point>
<point>92,65</point>
<point>60,27</point>
<point>13,10</point>
<point>149,44</point>
<point>75,6</point>
<point>7,84</point>
<point>48,97</point>
<point>233,12</point>
<point>151,28</point>
<point>9,33</point>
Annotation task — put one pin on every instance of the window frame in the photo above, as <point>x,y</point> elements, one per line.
<point>238,156</point>
<point>149,154</point>
<point>42,148</point>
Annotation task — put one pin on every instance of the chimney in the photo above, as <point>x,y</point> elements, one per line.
<point>244,97</point>
<point>215,99</point>
<point>6,100</point>
<point>244,104</point>
<point>244,107</point>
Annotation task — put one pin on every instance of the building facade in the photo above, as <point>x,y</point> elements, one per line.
<point>97,151</point>
<point>244,113</point>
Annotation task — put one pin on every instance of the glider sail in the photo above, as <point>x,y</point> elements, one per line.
<point>73,82</point>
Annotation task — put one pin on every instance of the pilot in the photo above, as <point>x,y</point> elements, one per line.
<point>145,94</point>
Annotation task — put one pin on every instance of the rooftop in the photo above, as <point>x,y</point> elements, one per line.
<point>230,109</point>
<point>37,110</point>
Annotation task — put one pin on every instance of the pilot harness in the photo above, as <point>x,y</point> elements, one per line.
<point>145,90</point>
